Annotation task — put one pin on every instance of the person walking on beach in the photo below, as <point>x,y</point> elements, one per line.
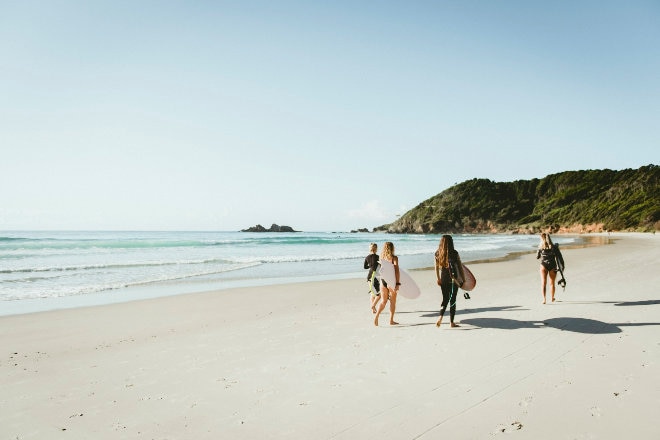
<point>548,264</point>
<point>388,293</point>
<point>450,276</point>
<point>371,263</point>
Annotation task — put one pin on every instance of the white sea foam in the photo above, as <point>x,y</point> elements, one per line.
<point>56,264</point>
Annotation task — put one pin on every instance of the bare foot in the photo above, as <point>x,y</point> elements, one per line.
<point>553,300</point>
<point>543,301</point>
<point>373,310</point>
<point>453,324</point>
<point>437,324</point>
<point>376,321</point>
<point>394,323</point>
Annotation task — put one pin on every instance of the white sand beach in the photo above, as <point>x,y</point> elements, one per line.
<point>304,361</point>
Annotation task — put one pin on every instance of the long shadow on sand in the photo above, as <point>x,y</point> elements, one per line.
<point>436,313</point>
<point>650,302</point>
<point>578,325</point>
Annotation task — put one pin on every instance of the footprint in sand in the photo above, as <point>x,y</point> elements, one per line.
<point>526,401</point>
<point>515,426</point>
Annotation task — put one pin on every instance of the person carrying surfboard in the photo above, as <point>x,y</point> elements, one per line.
<point>389,293</point>
<point>371,263</point>
<point>450,276</point>
<point>548,265</point>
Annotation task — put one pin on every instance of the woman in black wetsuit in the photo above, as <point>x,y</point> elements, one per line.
<point>444,256</point>
<point>548,264</point>
<point>371,263</point>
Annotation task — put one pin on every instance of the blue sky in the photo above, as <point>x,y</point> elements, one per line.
<point>325,116</point>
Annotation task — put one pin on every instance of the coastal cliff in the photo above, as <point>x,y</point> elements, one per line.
<point>571,201</point>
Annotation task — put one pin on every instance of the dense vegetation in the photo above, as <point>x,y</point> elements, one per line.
<point>576,201</point>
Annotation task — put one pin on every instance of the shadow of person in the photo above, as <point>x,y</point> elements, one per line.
<point>650,302</point>
<point>582,325</point>
<point>468,310</point>
<point>578,325</point>
<point>501,323</point>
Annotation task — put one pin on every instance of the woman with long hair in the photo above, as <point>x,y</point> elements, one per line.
<point>388,293</point>
<point>446,259</point>
<point>548,264</point>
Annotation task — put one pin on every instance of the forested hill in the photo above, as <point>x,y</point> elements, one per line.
<point>572,201</point>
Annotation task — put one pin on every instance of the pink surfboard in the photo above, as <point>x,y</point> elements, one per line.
<point>470,281</point>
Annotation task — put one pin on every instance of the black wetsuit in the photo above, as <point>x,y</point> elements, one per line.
<point>371,263</point>
<point>548,260</point>
<point>449,290</point>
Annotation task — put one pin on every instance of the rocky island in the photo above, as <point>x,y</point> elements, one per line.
<point>273,228</point>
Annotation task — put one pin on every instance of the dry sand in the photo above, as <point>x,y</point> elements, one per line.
<point>304,361</point>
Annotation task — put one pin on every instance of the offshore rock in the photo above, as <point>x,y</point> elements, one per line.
<point>273,228</point>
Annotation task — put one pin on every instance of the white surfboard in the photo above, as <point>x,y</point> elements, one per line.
<point>408,287</point>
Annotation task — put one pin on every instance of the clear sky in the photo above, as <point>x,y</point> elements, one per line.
<point>320,115</point>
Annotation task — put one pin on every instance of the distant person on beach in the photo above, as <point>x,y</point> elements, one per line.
<point>371,263</point>
<point>450,276</point>
<point>389,292</point>
<point>548,264</point>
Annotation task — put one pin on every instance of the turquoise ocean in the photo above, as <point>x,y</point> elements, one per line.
<point>47,270</point>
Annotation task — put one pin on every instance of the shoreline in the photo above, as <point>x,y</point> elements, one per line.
<point>187,287</point>
<point>304,360</point>
<point>590,240</point>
